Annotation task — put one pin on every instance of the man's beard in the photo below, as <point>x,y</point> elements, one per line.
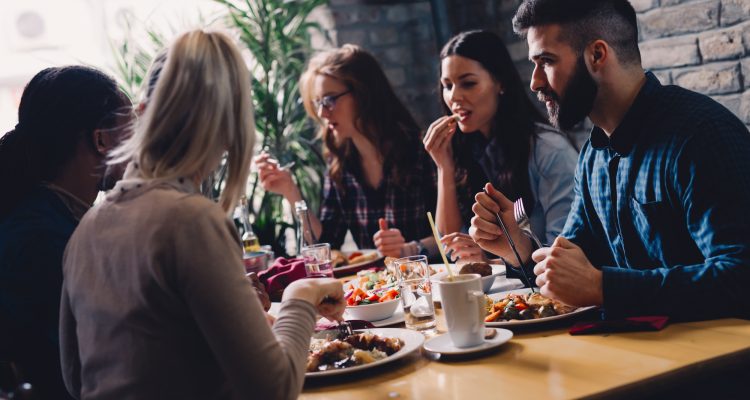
<point>579,95</point>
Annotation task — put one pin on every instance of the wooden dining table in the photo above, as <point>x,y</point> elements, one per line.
<point>546,362</point>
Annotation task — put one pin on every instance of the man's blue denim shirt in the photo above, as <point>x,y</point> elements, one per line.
<point>661,207</point>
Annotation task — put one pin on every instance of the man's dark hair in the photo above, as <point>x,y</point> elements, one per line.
<point>583,21</point>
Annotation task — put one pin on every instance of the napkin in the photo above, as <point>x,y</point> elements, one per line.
<point>631,324</point>
<point>283,272</point>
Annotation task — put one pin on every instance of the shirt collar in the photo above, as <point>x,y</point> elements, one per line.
<point>626,134</point>
<point>133,184</point>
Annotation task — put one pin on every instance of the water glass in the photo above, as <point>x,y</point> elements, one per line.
<point>318,260</point>
<point>416,293</point>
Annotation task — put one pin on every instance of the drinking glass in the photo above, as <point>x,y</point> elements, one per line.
<point>416,293</point>
<point>318,260</point>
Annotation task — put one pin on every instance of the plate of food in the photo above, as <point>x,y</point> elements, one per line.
<point>351,261</point>
<point>522,307</point>
<point>372,295</point>
<point>365,349</point>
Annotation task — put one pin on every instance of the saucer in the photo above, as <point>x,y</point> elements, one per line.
<point>442,344</point>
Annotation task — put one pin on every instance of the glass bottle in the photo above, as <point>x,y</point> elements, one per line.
<point>250,241</point>
<point>305,236</point>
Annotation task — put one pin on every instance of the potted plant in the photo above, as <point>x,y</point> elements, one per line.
<point>277,35</point>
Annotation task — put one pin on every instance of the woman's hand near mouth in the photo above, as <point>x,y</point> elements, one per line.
<point>437,142</point>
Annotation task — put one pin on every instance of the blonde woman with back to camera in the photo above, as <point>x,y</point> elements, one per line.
<point>155,302</point>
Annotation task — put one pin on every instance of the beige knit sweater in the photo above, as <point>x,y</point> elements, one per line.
<point>155,305</point>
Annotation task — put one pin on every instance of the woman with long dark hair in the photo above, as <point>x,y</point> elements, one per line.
<point>52,165</point>
<point>378,172</point>
<point>491,132</point>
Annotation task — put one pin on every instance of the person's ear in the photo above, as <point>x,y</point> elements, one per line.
<point>101,140</point>
<point>596,55</point>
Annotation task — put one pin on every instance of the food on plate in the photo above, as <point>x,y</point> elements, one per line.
<point>357,257</point>
<point>481,268</point>
<point>357,349</point>
<point>371,286</point>
<point>525,306</point>
<point>338,258</point>
<point>359,297</point>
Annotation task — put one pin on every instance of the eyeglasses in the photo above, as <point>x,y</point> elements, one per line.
<point>329,102</point>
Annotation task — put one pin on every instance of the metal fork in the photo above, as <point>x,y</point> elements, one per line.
<point>519,213</point>
<point>502,226</point>
<point>345,330</point>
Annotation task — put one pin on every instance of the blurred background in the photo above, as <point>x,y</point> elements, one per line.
<point>703,45</point>
<point>699,44</point>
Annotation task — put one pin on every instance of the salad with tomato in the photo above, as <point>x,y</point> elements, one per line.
<point>371,287</point>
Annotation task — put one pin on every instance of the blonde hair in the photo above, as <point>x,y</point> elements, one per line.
<point>200,107</point>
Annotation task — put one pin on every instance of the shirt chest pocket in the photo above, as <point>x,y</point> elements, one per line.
<point>655,225</point>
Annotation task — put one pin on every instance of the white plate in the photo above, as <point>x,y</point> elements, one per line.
<point>412,341</point>
<point>517,322</point>
<point>442,344</point>
<point>397,317</point>
<point>349,267</point>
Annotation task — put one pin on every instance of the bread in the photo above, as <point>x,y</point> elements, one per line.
<point>481,268</point>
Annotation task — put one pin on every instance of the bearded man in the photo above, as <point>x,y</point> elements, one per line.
<point>657,225</point>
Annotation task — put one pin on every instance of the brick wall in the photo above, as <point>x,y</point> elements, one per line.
<point>702,45</point>
<point>400,35</point>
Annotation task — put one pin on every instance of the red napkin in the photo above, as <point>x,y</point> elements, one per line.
<point>631,324</point>
<point>282,273</point>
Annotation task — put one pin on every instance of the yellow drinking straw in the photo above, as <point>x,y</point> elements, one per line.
<point>439,245</point>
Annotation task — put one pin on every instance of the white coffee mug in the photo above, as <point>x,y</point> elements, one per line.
<point>464,307</point>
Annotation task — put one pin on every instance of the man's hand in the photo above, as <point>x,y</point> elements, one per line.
<point>389,242</point>
<point>564,273</point>
<point>487,233</point>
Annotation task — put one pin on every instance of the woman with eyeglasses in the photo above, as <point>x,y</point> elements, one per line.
<point>155,303</point>
<point>380,182</point>
<point>491,132</point>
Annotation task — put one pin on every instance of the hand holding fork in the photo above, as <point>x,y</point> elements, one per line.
<point>493,212</point>
<point>275,178</point>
